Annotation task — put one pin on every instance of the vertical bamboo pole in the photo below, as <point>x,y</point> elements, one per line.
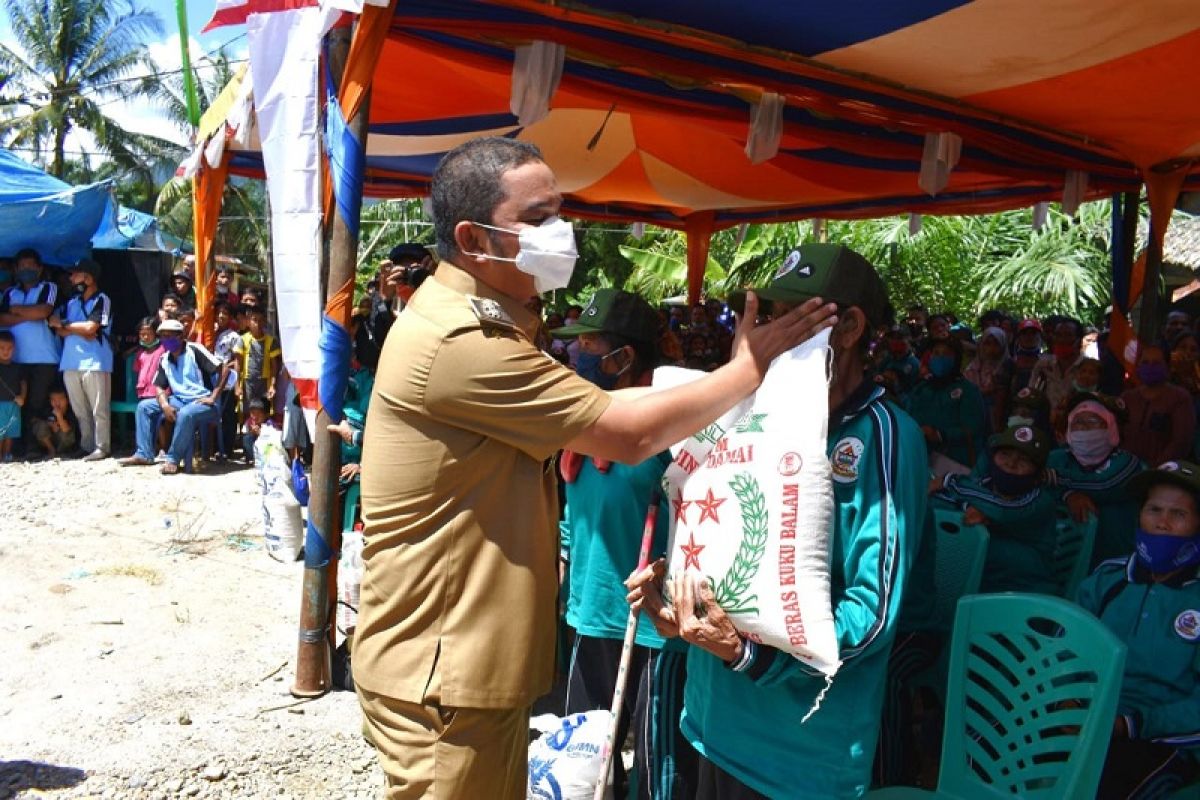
<point>318,595</point>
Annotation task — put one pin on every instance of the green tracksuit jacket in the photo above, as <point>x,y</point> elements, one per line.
<point>1117,512</point>
<point>1160,625</point>
<point>1021,549</point>
<point>955,409</point>
<point>748,722</point>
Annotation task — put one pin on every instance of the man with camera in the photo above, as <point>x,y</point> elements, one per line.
<point>406,267</point>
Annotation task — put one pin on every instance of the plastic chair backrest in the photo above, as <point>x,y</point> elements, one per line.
<point>1032,695</point>
<point>130,379</point>
<point>1073,544</point>
<point>960,553</point>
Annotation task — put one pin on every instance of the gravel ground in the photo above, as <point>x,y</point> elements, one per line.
<point>150,645</point>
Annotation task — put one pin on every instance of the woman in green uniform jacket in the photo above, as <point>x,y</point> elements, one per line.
<point>1151,601</point>
<point>948,407</point>
<point>1090,475</point>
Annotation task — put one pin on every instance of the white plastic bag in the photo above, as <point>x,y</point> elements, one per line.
<point>283,524</point>
<point>349,580</point>
<point>565,761</point>
<point>752,510</point>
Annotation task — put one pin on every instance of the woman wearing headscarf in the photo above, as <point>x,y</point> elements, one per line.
<point>1091,473</point>
<point>992,372</point>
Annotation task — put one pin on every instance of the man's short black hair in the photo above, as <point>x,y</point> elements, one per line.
<point>466,184</point>
<point>257,404</point>
<point>171,296</point>
<point>57,388</point>
<point>28,252</point>
<point>6,336</point>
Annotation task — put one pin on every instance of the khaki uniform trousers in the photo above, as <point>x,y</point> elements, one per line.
<point>444,753</point>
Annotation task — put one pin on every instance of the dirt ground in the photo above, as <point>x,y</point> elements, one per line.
<point>150,643</point>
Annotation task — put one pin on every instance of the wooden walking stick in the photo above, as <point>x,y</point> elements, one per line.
<point>626,654</point>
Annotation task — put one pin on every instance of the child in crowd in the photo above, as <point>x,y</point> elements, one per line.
<point>146,361</point>
<point>257,415</point>
<point>259,357</point>
<point>59,431</point>
<point>13,389</point>
<point>1018,512</point>
<point>169,306</point>
<point>1151,601</point>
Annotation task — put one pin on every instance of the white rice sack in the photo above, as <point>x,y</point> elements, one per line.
<point>752,510</point>
<point>566,760</point>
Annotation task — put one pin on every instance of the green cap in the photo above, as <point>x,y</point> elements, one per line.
<point>1183,474</point>
<point>1023,439</point>
<point>1030,397</point>
<point>830,271</point>
<point>614,311</point>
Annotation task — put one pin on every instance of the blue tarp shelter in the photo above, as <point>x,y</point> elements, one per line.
<point>42,212</point>
<point>124,228</point>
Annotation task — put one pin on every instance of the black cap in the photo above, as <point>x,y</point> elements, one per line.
<point>614,311</point>
<point>86,265</point>
<point>408,251</point>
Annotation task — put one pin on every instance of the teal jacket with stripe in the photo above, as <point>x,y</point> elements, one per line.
<point>1020,556</point>
<point>600,534</point>
<point>1117,512</point>
<point>747,722</point>
<point>1160,625</point>
<point>955,408</point>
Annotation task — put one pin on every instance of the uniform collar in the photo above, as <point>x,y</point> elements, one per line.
<point>459,280</point>
<point>866,393</point>
<point>1137,572</point>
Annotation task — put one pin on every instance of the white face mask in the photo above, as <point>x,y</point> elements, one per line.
<point>546,251</point>
<point>1090,447</point>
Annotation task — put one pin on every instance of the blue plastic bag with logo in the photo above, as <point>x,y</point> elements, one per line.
<point>299,482</point>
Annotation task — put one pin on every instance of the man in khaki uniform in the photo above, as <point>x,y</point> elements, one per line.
<point>455,635</point>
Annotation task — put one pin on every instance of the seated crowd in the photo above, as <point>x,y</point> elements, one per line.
<point>1023,420</point>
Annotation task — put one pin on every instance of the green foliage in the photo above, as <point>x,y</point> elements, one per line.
<point>72,57</point>
<point>954,263</point>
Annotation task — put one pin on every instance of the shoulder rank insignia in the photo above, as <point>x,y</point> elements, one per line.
<point>490,313</point>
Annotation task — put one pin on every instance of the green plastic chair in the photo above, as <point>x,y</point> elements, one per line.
<point>127,404</point>
<point>1073,545</point>
<point>1034,682</point>
<point>961,551</point>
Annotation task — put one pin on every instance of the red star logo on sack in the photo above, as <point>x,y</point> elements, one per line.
<point>680,507</point>
<point>708,507</point>
<point>691,552</point>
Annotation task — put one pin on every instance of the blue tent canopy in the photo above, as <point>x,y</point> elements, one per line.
<point>124,228</point>
<point>42,212</point>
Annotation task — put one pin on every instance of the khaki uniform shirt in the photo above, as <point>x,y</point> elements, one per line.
<point>459,501</point>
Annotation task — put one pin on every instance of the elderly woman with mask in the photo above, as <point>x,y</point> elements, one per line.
<point>1091,473</point>
<point>1151,601</point>
<point>992,371</point>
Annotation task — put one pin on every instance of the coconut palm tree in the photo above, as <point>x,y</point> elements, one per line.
<point>71,59</point>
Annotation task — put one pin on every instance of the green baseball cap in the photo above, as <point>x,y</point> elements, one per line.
<point>830,271</point>
<point>1022,438</point>
<point>1029,397</point>
<point>614,311</point>
<point>1183,474</point>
